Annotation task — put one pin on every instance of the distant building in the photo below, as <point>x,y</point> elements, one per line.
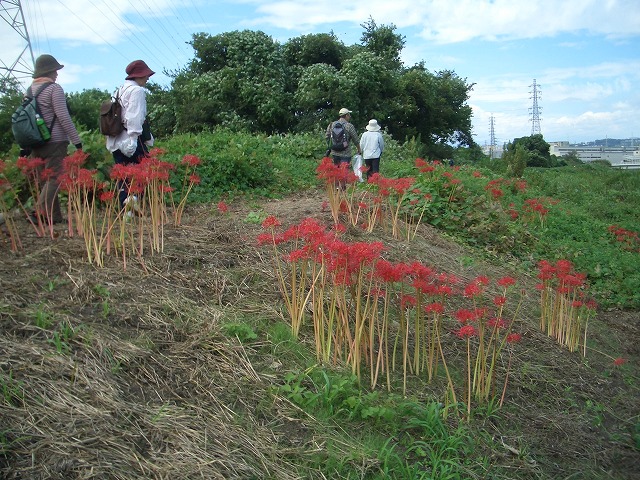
<point>494,151</point>
<point>622,157</point>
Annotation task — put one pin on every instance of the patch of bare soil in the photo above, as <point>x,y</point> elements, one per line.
<point>114,373</point>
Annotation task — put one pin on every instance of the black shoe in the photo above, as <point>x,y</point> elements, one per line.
<point>33,217</point>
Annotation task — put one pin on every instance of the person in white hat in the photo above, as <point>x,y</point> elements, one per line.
<point>372,146</point>
<point>341,151</point>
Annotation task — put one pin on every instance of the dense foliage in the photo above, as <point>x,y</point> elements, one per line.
<point>245,80</point>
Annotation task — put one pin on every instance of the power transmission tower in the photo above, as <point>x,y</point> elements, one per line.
<point>492,137</point>
<point>535,110</point>
<point>22,66</point>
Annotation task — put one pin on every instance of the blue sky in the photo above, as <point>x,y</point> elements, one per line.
<point>583,54</point>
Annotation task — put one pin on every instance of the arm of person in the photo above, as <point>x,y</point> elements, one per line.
<point>59,103</point>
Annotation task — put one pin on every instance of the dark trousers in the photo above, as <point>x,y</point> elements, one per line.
<point>337,159</point>
<point>120,158</point>
<point>53,154</point>
<point>373,166</point>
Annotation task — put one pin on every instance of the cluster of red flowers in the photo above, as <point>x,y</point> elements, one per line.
<point>629,239</point>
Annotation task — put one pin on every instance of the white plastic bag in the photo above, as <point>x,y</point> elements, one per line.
<point>357,166</point>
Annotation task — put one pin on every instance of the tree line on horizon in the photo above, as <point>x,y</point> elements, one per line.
<point>246,80</point>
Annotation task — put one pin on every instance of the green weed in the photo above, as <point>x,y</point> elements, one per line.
<point>12,390</point>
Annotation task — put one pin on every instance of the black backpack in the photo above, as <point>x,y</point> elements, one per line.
<point>338,137</point>
<point>27,124</point>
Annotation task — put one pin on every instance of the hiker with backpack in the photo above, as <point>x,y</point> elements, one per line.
<point>341,135</point>
<point>131,144</point>
<point>52,108</point>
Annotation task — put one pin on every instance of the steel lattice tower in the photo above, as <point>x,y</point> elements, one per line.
<point>22,66</point>
<point>492,137</point>
<point>535,109</point>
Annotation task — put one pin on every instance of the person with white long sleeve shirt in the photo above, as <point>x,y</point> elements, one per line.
<point>372,146</point>
<point>129,146</point>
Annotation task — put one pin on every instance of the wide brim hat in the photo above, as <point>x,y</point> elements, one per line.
<point>45,64</point>
<point>373,126</point>
<point>344,111</point>
<point>138,69</point>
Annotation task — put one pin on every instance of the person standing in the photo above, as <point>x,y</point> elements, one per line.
<point>372,146</point>
<point>129,146</point>
<point>350,137</point>
<point>52,104</point>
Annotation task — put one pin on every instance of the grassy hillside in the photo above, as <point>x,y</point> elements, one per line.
<point>184,363</point>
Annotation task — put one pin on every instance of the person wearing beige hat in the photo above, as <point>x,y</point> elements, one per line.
<point>343,155</point>
<point>129,146</point>
<point>52,104</point>
<point>372,145</point>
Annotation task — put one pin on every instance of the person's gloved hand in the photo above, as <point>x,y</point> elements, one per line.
<point>149,143</point>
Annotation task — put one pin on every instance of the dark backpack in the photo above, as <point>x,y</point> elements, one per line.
<point>111,116</point>
<point>27,124</point>
<point>338,137</point>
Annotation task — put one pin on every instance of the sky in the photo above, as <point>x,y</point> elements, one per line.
<point>582,55</point>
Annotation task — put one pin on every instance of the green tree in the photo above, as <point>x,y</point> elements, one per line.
<point>383,42</point>
<point>516,156</point>
<point>85,107</point>
<point>434,108</point>
<point>249,68</point>
<point>11,94</point>
<point>538,150</point>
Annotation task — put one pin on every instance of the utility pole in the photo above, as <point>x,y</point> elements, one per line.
<point>492,138</point>
<point>22,66</point>
<point>535,110</point>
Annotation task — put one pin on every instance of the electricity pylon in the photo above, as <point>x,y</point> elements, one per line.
<point>21,67</point>
<point>535,110</point>
<point>492,137</point>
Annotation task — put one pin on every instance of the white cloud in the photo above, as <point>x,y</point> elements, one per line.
<point>444,21</point>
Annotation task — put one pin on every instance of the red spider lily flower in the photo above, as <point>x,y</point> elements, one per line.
<point>576,304</point>
<point>414,201</point>
<point>499,300</point>
<point>466,331</point>
<point>464,315</point>
<point>540,286</point>
<point>264,238</point>
<point>496,323</point>
<point>271,222</point>
<point>472,290</point>
<point>157,152</point>
<point>339,228</point>
<point>496,193</point>
<point>195,179</point>
<point>107,195</point>
<point>29,165</point>
<point>591,304</point>
<point>390,272</point>
<point>619,361</point>
<point>514,338</point>
<point>428,197</point>
<point>223,207</point>
<point>362,205</point>
<point>506,281</point>
<point>166,189</point>
<point>191,160</point>
<point>482,280</point>
<point>477,174</point>
<point>445,290</point>
<point>47,174</point>
<point>435,307</point>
